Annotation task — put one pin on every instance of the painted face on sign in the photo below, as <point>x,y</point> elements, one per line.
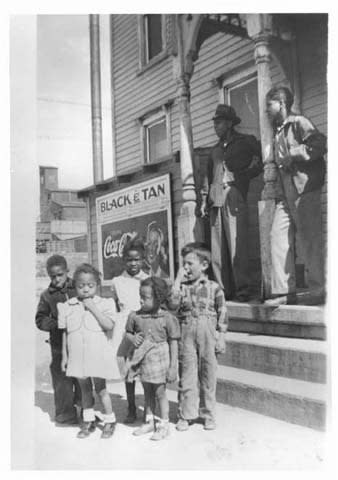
<point>133,261</point>
<point>153,246</point>
<point>86,285</point>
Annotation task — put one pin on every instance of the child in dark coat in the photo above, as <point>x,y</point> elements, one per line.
<point>61,288</point>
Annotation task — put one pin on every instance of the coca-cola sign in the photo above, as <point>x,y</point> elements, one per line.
<point>113,247</point>
<point>142,210</point>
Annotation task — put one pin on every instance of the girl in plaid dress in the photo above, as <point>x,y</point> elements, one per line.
<point>154,332</point>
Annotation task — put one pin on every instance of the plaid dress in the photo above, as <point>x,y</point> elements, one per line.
<point>151,359</point>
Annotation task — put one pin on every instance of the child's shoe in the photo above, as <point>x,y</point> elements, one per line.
<point>108,430</point>
<point>161,432</point>
<point>182,425</point>
<point>144,428</point>
<point>86,429</point>
<point>209,424</point>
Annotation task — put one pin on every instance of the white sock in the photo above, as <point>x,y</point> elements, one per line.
<point>149,418</point>
<point>109,418</point>
<point>88,415</point>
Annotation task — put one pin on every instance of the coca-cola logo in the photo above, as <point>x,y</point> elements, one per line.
<point>113,247</point>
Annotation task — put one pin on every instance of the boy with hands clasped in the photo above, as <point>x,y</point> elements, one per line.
<point>202,313</point>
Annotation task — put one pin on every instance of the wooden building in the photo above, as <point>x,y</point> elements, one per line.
<point>169,72</point>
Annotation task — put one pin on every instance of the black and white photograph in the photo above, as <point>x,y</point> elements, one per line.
<point>170,170</point>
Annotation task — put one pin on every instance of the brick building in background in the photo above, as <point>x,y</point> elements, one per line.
<point>62,224</point>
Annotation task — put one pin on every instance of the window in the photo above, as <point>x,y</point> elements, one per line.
<point>155,133</point>
<point>153,36</point>
<point>241,92</point>
<point>152,39</point>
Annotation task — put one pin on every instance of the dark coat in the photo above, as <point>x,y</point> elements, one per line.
<point>299,149</point>
<point>237,156</point>
<point>46,314</point>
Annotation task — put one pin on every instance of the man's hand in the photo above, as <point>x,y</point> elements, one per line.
<point>64,362</point>
<point>172,374</point>
<point>220,344</point>
<point>204,209</point>
<point>137,339</point>
<point>255,162</point>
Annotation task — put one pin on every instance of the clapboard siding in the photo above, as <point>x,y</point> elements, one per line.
<point>134,92</point>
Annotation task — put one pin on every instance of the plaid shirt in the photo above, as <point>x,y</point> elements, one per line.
<point>203,297</point>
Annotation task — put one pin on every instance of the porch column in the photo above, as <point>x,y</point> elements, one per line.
<point>260,30</point>
<point>187,218</point>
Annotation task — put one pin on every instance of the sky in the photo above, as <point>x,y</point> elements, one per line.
<point>63,98</point>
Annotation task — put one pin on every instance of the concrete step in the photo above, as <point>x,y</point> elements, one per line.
<point>291,400</point>
<point>287,357</point>
<point>295,321</point>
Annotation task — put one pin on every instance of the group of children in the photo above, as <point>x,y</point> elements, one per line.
<point>146,329</point>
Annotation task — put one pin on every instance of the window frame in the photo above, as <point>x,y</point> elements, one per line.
<point>144,61</point>
<point>147,121</point>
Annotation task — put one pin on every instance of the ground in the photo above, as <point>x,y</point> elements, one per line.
<point>243,439</point>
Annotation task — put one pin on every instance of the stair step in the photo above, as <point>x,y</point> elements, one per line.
<point>301,359</point>
<point>285,321</point>
<point>291,400</point>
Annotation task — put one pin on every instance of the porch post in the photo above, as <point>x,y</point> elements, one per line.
<point>260,30</point>
<point>187,218</point>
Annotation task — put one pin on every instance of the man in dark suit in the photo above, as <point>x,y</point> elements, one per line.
<point>233,162</point>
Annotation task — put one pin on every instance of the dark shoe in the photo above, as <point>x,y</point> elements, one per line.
<point>182,425</point>
<point>108,430</point>
<point>131,416</point>
<point>86,429</point>
<point>241,298</point>
<point>69,422</point>
<point>209,424</point>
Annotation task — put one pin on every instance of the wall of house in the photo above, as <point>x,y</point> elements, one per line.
<point>135,92</point>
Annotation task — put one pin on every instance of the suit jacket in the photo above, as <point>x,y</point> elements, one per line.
<point>236,156</point>
<point>299,150</point>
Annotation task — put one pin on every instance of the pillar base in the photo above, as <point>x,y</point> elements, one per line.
<point>188,225</point>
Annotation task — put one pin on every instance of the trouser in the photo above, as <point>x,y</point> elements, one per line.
<point>197,369</point>
<point>66,389</point>
<point>229,243</point>
<point>297,216</point>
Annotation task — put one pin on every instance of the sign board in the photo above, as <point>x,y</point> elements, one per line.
<point>142,210</point>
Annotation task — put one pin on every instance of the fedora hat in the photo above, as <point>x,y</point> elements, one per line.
<point>227,112</point>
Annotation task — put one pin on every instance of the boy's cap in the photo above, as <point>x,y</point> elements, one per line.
<point>227,112</point>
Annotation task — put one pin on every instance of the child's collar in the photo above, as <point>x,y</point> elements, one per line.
<point>140,276</point>
<point>202,279</point>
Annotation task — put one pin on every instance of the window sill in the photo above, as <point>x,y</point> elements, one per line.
<point>154,61</point>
